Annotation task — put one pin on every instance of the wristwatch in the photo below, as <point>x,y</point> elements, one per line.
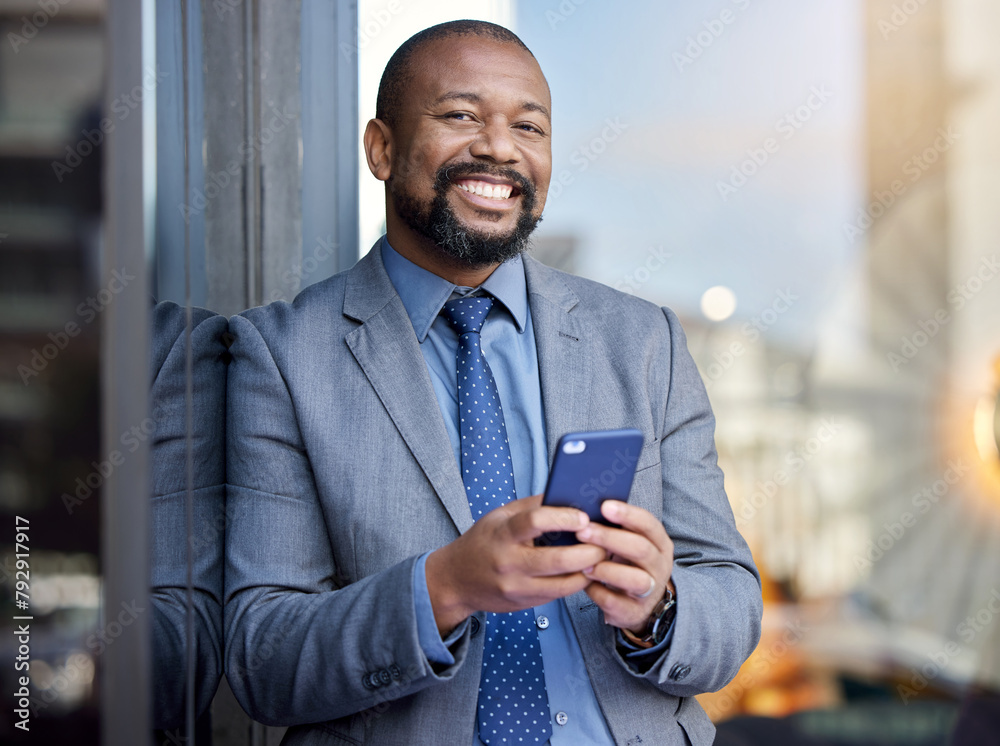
<point>659,622</point>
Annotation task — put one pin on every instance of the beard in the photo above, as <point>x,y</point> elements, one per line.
<point>467,247</point>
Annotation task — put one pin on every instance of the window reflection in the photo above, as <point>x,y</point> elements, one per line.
<point>51,463</point>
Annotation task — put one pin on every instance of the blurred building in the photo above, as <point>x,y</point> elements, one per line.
<point>885,533</point>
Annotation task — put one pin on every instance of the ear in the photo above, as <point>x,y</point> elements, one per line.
<point>378,148</point>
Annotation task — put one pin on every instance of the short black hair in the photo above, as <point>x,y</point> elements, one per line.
<point>397,71</point>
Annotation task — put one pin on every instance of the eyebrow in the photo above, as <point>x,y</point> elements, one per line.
<point>475,98</point>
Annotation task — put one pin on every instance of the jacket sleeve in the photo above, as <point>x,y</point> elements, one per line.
<point>303,643</point>
<point>170,541</point>
<point>719,604</point>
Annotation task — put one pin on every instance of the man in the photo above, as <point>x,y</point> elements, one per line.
<point>364,604</point>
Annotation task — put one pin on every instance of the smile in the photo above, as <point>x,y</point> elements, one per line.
<point>487,189</point>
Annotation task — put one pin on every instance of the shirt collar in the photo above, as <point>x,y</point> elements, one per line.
<point>424,293</point>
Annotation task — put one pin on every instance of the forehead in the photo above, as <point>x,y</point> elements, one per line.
<point>492,70</point>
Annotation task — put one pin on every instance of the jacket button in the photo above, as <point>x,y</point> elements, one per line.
<point>679,672</point>
<point>542,622</point>
<point>384,676</point>
<point>367,681</point>
<point>475,626</point>
<point>394,670</point>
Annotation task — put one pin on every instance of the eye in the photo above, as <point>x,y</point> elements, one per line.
<point>459,116</point>
<point>528,127</point>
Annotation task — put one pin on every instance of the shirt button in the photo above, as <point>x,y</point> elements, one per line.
<point>542,622</point>
<point>562,718</point>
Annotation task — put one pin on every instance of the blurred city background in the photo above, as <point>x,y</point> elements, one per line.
<point>812,187</point>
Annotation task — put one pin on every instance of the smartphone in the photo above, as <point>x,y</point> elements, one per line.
<point>588,469</point>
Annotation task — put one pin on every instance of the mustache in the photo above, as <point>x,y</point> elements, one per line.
<point>447,174</point>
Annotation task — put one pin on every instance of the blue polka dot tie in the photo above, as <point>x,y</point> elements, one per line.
<point>513,703</point>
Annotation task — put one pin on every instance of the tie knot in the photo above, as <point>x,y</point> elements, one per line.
<point>467,314</point>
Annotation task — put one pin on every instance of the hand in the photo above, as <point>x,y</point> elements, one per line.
<point>495,566</point>
<point>640,563</point>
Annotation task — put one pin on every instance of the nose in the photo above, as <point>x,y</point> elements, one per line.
<point>496,142</point>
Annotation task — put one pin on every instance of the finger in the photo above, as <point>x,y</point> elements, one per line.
<point>622,543</point>
<point>638,520</point>
<point>527,525</point>
<point>536,592</point>
<point>549,561</point>
<point>631,580</point>
<point>619,610</point>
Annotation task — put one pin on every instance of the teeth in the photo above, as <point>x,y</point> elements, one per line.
<point>490,191</point>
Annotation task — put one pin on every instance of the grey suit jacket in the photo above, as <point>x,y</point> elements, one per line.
<point>169,534</point>
<point>340,474</point>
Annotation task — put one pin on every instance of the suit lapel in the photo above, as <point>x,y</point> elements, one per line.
<point>387,350</point>
<point>564,359</point>
<point>565,353</point>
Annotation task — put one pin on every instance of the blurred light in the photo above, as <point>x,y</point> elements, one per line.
<point>718,303</point>
<point>67,685</point>
<point>41,674</point>
<point>65,591</point>
<point>984,430</point>
<point>84,665</point>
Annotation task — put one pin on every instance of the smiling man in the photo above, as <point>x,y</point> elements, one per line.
<point>462,139</point>
<point>389,434</point>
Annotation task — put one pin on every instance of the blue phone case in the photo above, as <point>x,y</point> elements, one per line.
<point>589,468</point>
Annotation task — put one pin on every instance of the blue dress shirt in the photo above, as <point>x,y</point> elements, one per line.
<point>508,343</point>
